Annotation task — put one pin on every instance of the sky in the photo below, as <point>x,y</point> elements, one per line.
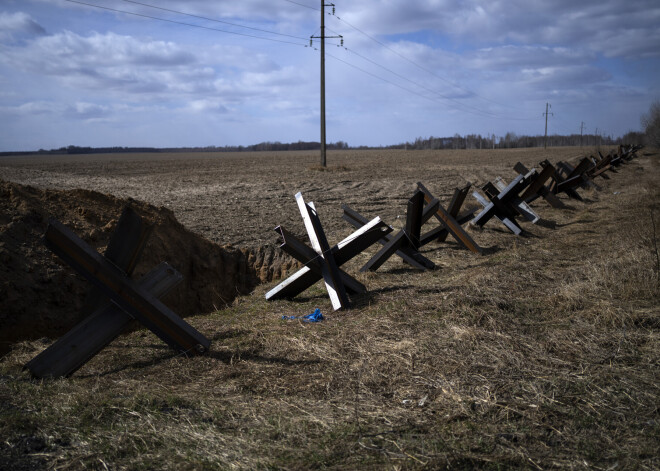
<point>203,73</point>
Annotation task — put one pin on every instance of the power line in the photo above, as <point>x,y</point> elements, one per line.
<point>430,98</point>
<point>185,24</point>
<point>378,77</point>
<point>434,99</point>
<point>476,111</point>
<point>415,63</point>
<point>303,5</point>
<point>482,112</point>
<point>215,20</point>
<point>567,127</point>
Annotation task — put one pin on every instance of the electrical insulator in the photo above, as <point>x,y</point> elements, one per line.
<point>333,10</point>
<point>342,42</point>
<point>310,42</point>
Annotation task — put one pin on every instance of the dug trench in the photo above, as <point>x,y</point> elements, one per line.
<point>41,297</point>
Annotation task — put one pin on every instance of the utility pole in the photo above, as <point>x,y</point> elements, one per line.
<point>322,38</point>
<point>581,129</point>
<point>545,141</point>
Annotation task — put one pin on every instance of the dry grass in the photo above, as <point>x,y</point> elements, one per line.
<point>545,353</point>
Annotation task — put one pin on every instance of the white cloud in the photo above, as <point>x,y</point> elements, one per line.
<point>611,27</point>
<point>514,57</point>
<point>147,68</point>
<point>35,108</point>
<point>263,10</point>
<point>130,78</point>
<point>88,111</point>
<point>77,110</point>
<point>205,105</point>
<point>18,23</point>
<point>67,51</point>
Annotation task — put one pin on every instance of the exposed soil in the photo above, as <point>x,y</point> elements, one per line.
<point>238,198</point>
<point>41,296</point>
<point>231,199</point>
<point>542,353</point>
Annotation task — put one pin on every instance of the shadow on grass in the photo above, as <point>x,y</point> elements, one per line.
<point>547,224</point>
<point>407,270</point>
<point>301,299</point>
<point>134,365</point>
<point>491,250</point>
<point>227,357</point>
<point>456,247</point>
<point>439,290</point>
<point>370,297</point>
<point>572,223</point>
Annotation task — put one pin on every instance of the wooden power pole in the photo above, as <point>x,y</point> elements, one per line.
<point>545,140</point>
<point>322,38</point>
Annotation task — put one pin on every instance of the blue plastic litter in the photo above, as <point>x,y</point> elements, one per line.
<point>315,316</point>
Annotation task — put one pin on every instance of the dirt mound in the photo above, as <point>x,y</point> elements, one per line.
<point>41,296</point>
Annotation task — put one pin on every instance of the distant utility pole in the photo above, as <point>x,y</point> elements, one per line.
<point>545,141</point>
<point>581,129</point>
<point>322,38</point>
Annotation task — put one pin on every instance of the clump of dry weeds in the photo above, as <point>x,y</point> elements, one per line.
<point>542,354</point>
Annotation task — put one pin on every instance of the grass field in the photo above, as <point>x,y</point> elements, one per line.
<point>542,354</point>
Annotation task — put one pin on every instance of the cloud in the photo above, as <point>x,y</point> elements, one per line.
<point>515,57</point>
<point>261,10</point>
<point>77,110</point>
<point>147,69</point>
<point>18,24</point>
<point>533,69</point>
<point>88,111</point>
<point>34,108</point>
<point>66,51</point>
<point>205,105</point>
<point>469,63</point>
<point>609,27</point>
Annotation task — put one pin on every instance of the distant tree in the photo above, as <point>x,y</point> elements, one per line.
<point>631,137</point>
<point>457,142</point>
<point>651,124</point>
<point>510,140</point>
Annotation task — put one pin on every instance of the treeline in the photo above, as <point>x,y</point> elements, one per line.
<point>512,140</point>
<point>261,147</point>
<point>268,146</point>
<point>87,150</point>
<point>470,141</point>
<point>105,150</point>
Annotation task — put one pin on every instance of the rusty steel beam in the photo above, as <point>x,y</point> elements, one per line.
<point>357,220</point>
<point>125,292</point>
<point>449,222</point>
<point>344,251</point>
<point>96,331</point>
